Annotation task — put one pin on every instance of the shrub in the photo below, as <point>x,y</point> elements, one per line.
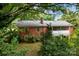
<point>10,49</point>
<point>11,36</point>
<point>31,39</point>
<point>57,45</point>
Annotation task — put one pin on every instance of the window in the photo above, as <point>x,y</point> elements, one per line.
<point>26,29</point>
<point>64,28</point>
<point>60,28</point>
<point>56,28</point>
<point>38,29</point>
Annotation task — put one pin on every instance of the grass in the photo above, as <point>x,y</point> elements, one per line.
<point>33,48</point>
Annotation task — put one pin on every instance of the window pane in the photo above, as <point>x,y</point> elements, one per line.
<point>56,28</point>
<point>60,28</point>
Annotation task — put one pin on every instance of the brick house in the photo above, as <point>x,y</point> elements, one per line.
<point>36,27</point>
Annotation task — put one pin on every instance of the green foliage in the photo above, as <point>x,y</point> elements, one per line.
<point>77,41</point>
<point>51,45</point>
<point>10,33</point>
<point>31,39</point>
<point>57,45</point>
<point>71,17</point>
<point>7,49</point>
<point>9,41</point>
<point>10,12</point>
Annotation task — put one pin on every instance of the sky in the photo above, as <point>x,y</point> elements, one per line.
<point>58,14</point>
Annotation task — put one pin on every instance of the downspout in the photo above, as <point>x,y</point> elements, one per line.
<point>41,21</point>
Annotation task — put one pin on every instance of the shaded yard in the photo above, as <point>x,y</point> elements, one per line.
<point>33,48</point>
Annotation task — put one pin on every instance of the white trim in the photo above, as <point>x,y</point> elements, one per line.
<point>61,32</point>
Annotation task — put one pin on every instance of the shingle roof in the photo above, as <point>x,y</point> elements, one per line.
<point>61,23</point>
<point>38,24</point>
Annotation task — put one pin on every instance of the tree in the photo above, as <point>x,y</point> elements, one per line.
<point>10,12</point>
<point>71,17</point>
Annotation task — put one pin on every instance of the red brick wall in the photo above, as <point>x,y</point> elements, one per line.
<point>34,31</point>
<point>71,29</point>
<point>37,31</point>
